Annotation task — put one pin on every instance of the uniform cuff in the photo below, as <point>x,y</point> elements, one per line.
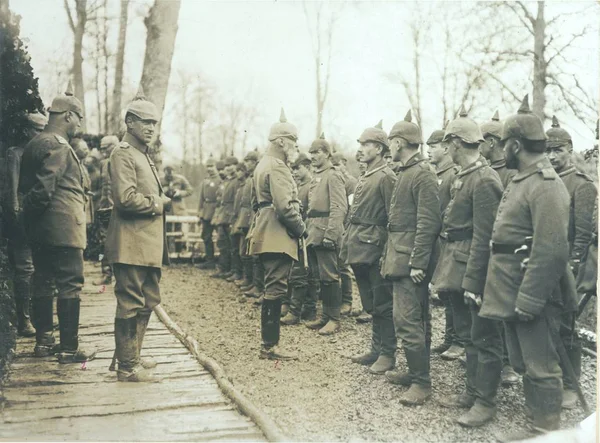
<point>527,303</point>
<point>157,205</point>
<point>472,285</point>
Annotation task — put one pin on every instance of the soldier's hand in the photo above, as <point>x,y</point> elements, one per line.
<point>523,315</point>
<point>417,275</point>
<point>328,244</point>
<point>472,299</point>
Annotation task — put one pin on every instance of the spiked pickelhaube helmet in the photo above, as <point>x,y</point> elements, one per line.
<point>375,134</point>
<point>407,130</point>
<point>283,128</point>
<point>493,127</point>
<point>523,124</point>
<point>66,102</point>
<point>142,108</point>
<point>464,128</point>
<point>557,136</point>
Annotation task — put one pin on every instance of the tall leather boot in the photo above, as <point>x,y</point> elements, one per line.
<point>387,346</point>
<point>465,399</point>
<point>372,355</point>
<point>547,408</point>
<point>43,316</point>
<point>143,317</point>
<point>487,382</point>
<point>420,389</point>
<point>126,348</point>
<point>247,267</point>
<point>22,302</point>
<point>68,319</point>
<point>332,303</point>
<point>270,328</point>
<point>296,301</point>
<point>573,348</point>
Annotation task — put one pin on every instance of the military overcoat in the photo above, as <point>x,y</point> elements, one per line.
<point>505,174</point>
<point>208,197</point>
<point>244,210</point>
<point>445,176</point>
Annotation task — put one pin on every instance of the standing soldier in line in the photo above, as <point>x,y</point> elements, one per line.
<point>54,218</point>
<point>339,161</point>
<point>462,268</point>
<point>302,291</point>
<point>206,211</point>
<point>492,149</point>
<point>105,205</point>
<point>452,347</point>
<point>236,235</point>
<point>136,241</point>
<point>223,219</point>
<point>19,251</point>
<point>413,227</point>
<point>244,219</point>
<point>277,228</point>
<point>176,187</point>
<point>530,288</point>
<point>327,208</point>
<point>363,243</point>
<point>583,193</point>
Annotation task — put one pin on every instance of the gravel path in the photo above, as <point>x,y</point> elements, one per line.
<point>324,396</point>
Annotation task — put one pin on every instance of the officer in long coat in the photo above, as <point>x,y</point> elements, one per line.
<point>327,208</point>
<point>277,228</point>
<point>18,249</point>
<point>583,193</point>
<point>302,291</point>
<point>413,227</point>
<point>452,347</point>
<point>54,218</point>
<point>492,149</point>
<point>206,211</point>
<point>136,241</point>
<point>363,243</point>
<point>530,283</point>
<point>462,268</point>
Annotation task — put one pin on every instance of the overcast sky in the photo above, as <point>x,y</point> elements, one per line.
<point>259,52</point>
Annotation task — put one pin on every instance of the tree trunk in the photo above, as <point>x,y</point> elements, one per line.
<point>539,63</point>
<point>105,55</point>
<point>161,24</point>
<point>116,101</point>
<point>320,103</point>
<point>78,32</point>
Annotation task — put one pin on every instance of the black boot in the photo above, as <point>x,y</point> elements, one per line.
<point>332,303</point>
<point>420,389</point>
<point>42,313</point>
<point>22,302</point>
<point>68,320</point>
<point>448,331</point>
<point>143,317</point>
<point>127,352</point>
<point>484,409</point>
<point>270,328</point>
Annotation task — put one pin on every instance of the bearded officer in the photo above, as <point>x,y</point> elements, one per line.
<point>206,211</point>
<point>414,225</point>
<point>530,295</point>
<point>363,243</point>
<point>492,149</point>
<point>452,347</point>
<point>136,241</point>
<point>277,229</point>
<point>18,249</point>
<point>581,188</point>
<point>327,208</point>
<point>462,268</point>
<point>54,217</point>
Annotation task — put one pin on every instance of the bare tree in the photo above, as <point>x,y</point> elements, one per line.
<point>321,24</point>
<point>120,61</point>
<point>161,24</point>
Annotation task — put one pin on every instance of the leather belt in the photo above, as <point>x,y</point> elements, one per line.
<point>453,236</point>
<point>318,214</point>
<point>263,205</point>
<point>504,248</point>
<point>398,228</point>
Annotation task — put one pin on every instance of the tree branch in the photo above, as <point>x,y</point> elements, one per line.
<point>528,26</point>
<point>69,15</point>
<point>568,44</point>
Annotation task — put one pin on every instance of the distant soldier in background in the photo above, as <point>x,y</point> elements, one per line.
<point>136,241</point>
<point>583,193</point>
<point>105,206</point>
<point>176,187</point>
<point>302,291</point>
<point>531,289</point>
<point>82,151</point>
<point>206,211</point>
<point>327,209</point>
<point>277,228</point>
<point>363,243</point>
<point>452,347</point>
<point>339,161</point>
<point>235,234</point>
<point>19,251</point>
<point>54,218</point>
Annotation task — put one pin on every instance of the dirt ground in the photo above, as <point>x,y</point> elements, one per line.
<point>7,332</point>
<point>324,396</point>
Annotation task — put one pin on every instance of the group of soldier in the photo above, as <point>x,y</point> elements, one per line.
<point>497,223</point>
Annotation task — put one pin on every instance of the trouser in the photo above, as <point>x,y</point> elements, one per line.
<point>450,336</point>
<point>136,289</point>
<point>236,260</point>
<point>207,239</point>
<point>224,245</point>
<point>277,268</point>
<point>302,290</point>
<point>258,273</point>
<point>572,344</point>
<point>482,338</point>
<point>323,269</point>
<point>102,220</point>
<point>377,300</point>
<point>60,267</point>
<point>247,261</point>
<point>532,352</point>
<point>346,279</point>
<point>21,262</point>
<point>411,317</point>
